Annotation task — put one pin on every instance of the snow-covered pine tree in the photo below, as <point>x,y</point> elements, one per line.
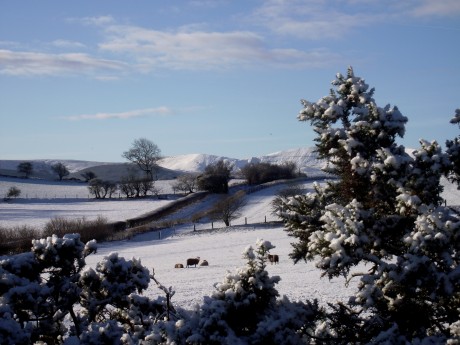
<point>382,210</point>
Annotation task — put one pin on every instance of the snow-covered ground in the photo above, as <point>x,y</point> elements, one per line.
<point>222,247</point>
<point>41,201</point>
<point>223,250</point>
<point>71,200</point>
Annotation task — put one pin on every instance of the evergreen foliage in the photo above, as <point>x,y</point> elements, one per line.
<point>48,295</point>
<point>383,210</point>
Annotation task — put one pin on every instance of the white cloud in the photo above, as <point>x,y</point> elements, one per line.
<point>98,21</point>
<point>321,19</point>
<point>122,115</point>
<point>316,19</point>
<point>67,44</point>
<point>32,63</point>
<point>437,8</point>
<point>203,50</point>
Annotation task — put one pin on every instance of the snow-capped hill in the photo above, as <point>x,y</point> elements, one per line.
<point>305,158</point>
<point>192,162</point>
<point>42,168</point>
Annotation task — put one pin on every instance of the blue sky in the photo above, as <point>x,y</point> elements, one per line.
<point>83,79</point>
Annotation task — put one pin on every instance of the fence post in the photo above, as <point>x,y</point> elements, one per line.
<point>265,219</point>
<point>212,225</point>
<point>245,221</point>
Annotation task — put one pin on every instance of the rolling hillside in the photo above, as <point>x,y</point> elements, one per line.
<point>169,167</point>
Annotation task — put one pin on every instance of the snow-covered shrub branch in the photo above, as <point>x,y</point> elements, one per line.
<point>49,295</point>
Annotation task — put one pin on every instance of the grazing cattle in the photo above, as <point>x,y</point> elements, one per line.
<point>273,258</point>
<point>179,266</point>
<point>193,261</point>
<point>204,263</point>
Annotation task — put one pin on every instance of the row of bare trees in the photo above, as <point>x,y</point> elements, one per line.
<point>130,186</point>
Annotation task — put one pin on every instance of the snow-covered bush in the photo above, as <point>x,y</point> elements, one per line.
<point>49,295</point>
<point>383,210</point>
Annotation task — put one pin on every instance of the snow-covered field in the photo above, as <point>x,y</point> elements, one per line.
<point>41,201</point>
<point>222,248</point>
<point>44,199</point>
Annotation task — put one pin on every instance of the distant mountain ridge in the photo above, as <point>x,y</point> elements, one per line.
<point>305,159</point>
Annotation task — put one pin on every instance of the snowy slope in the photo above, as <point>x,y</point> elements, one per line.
<point>42,167</point>
<point>305,159</point>
<point>192,162</point>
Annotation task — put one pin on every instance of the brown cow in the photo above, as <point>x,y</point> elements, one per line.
<point>204,263</point>
<point>273,258</point>
<point>193,261</point>
<point>179,266</point>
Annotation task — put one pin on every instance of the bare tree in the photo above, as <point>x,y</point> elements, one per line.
<point>145,154</point>
<point>60,169</point>
<point>25,168</point>
<point>186,183</point>
<point>126,187</point>
<point>100,188</point>
<point>229,207</point>
<point>88,175</point>
<point>133,186</point>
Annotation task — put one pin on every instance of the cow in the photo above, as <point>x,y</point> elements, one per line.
<point>204,263</point>
<point>193,261</point>
<point>273,258</point>
<point>179,266</point>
